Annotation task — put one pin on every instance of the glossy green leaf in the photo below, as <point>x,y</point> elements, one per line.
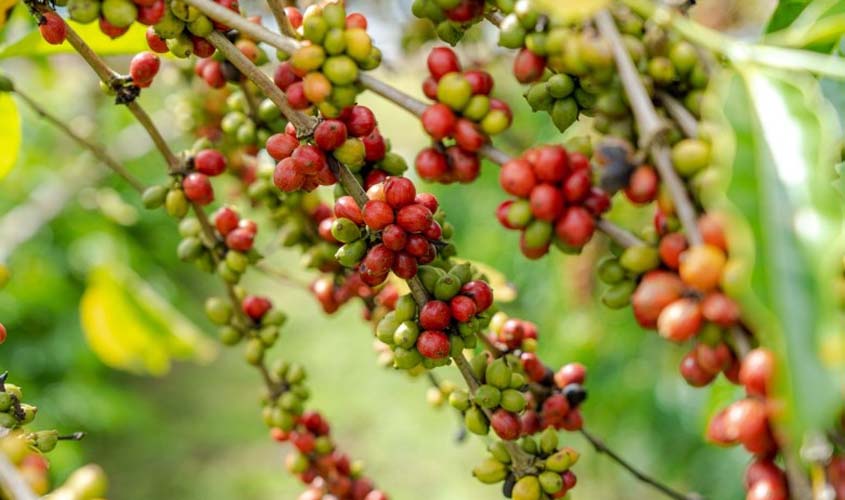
<point>785,13</point>
<point>785,138</point>
<point>130,327</point>
<point>32,44</point>
<point>10,133</point>
<point>817,25</point>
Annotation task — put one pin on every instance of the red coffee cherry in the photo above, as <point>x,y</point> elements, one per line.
<point>295,94</point>
<point>303,441</point>
<point>533,366</point>
<point>394,237</point>
<point>763,469</point>
<point>374,146</point>
<point>512,333</point>
<point>766,489</point>
<point>712,228</point>
<point>506,425</point>
<point>468,136</point>
<point>480,81</point>
<point>202,47</point>
<point>643,184</point>
<point>693,373</point>
<point>550,163</point>
<point>377,214</point>
<point>465,11</point>
<point>379,260</point>
<point>3,333</point>
<point>577,186</point>
<point>414,218</point>
<point>718,308</point>
<point>463,308</point>
<point>345,206</point>
<point>155,42</point>
<point>360,121</point>
<point>571,373</point>
<point>480,292</point>
<point>575,227</point>
<point>417,245</point>
<point>656,290</point>
<point>597,202</point>
<point>356,20</point>
<point>288,175</point>
<point>240,239</point>
<point>671,247</point>
<point>427,200</point>
<point>405,266</point>
<point>433,344</point>
<point>225,220</point>
<point>330,134</point>
<point>442,60</point>
<point>464,164</point>
<point>198,188</point>
<point>310,157</point>
<point>435,315</point>
<point>680,320</point>
<point>111,30</point>
<point>438,121</point>
<point>546,202</point>
<point>399,192</point>
<point>151,14</point>
<point>434,231</point>
<point>431,165</point>
<point>757,372</point>
<point>53,28</point>
<point>556,407</point>
<point>528,67</point>
<point>256,307</point>
<point>294,16</point>
<point>284,75</point>
<point>517,178</point>
<point>210,162</point>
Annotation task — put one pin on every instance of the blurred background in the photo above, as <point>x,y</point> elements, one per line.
<point>167,427</point>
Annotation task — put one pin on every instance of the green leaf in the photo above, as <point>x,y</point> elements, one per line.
<point>789,244</point>
<point>817,25</point>
<point>10,133</point>
<point>130,327</point>
<point>32,44</point>
<point>785,13</point>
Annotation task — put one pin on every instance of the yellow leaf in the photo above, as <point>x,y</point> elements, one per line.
<point>130,327</point>
<point>10,133</point>
<point>570,11</point>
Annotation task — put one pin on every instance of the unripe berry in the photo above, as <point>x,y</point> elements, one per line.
<point>701,266</point>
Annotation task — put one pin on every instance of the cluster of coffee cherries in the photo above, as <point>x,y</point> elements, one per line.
<point>746,422</point>
<point>180,29</point>
<point>445,325</point>
<point>450,17</point>
<point>400,218</point>
<point>556,200</point>
<point>14,412</point>
<point>324,70</point>
<point>460,122</point>
<point>553,478</point>
<point>499,395</point>
<point>212,67</point>
<point>259,323</point>
<point>250,131</point>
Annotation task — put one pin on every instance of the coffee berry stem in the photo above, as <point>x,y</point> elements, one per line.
<point>650,126</point>
<point>679,113</point>
<point>277,7</point>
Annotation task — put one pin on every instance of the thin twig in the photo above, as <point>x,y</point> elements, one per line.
<point>602,448</point>
<point>679,113</point>
<point>96,149</point>
<point>277,7</point>
<point>76,436</point>
<point>251,103</point>
<point>619,235</point>
<point>650,126</point>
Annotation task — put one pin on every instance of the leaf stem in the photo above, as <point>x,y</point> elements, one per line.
<point>680,114</point>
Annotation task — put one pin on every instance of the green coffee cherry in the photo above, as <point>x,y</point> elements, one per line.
<point>254,353</point>
<point>229,335</point>
<point>511,32</point>
<point>619,295</point>
<point>690,155</point>
<point>45,441</point>
<point>459,400</point>
<point>351,253</point>
<point>548,440</point>
<point>562,460</point>
<point>550,482</point>
<point>454,91</point>
<point>5,401</point>
<point>610,271</point>
<point>500,452</point>
<point>120,13</point>
<point>564,113</point>
<point>406,308</point>
<point>527,488</point>
<point>219,310</point>
<point>447,287</point>
<point>351,153</point>
<point>498,374</point>
<point>476,422</point>
<point>176,204</point>
<point>154,196</point>
<point>29,412</point>
<point>340,70</point>
<point>639,259</point>
<point>488,396</point>
<point>406,334</point>
<point>490,471</point>
<point>406,359</point>
<point>345,231</point>
<point>189,249</point>
<point>512,400</point>
<point>84,11</point>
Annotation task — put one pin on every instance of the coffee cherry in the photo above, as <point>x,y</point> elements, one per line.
<point>575,227</point>
<point>405,266</point>
<point>399,192</point>
<point>468,136</point>
<point>3,333</point>
<point>464,164</point>
<point>693,373</point>
<point>377,214</point>
<point>438,120</point>
<point>643,184</point>
<point>463,308</point>
<point>288,175</point>
<point>506,425</point>
<point>701,267</point>
<point>441,61</point>
<point>657,290</point>
<point>680,320</point>
<point>209,162</point>
<point>414,218</point>
<point>517,178</point>
<point>757,372</point>
<point>480,292</point>
<point>255,307</point>
<point>433,344</point>
<point>330,134</point>
<point>431,165</point>
<point>671,247</point>
<point>155,42</point>
<point>360,121</point>
<point>528,67</point>
<point>310,158</point>
<point>198,188</point>
<point>454,91</point>
<point>240,239</point>
<point>719,309</point>
<point>225,220</point>
<point>546,202</point>
<point>711,227</point>
<point>435,315</point>
<point>144,67</point>
<point>53,28</point>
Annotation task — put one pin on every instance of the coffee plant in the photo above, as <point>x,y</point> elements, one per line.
<point>696,175</point>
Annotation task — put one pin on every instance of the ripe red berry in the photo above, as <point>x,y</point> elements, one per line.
<point>573,421</point>
<point>571,373</point>
<point>3,333</point>
<point>210,162</point>
<point>53,28</point>
<point>111,30</point>
<point>577,186</point>
<point>502,214</point>
<point>213,75</point>
<point>356,20</point>
<point>597,202</point>
<point>394,237</point>
<point>671,247</point>
<point>360,121</point>
<point>379,260</point>
<point>512,333</point>
<point>374,177</point>
<point>533,366</point>
<point>556,407</point>
<point>435,315</point>
<point>463,308</point>
<point>430,164</point>
<point>693,373</point>
<point>468,135</point>
<point>399,191</point>
<point>550,163</point>
<point>225,220</point>
<point>429,88</point>
<point>281,146</point>
<point>374,146</point>
<point>465,11</point>
<point>575,227</point>
<point>295,94</point>
<point>442,60</point>
<point>434,231</point>
<point>330,134</point>
<point>546,202</point>
<point>284,76</point>
<point>310,157</point>
<point>517,178</point>
<point>288,175</point>
<point>480,81</point>
<point>757,371</point>
<point>155,42</point>
<point>433,344</point>
<point>506,425</point>
<point>151,14</point>
<point>240,239</point>
<point>465,165</point>
<point>377,214</point>
<point>427,200</point>
<point>656,290</point>
<point>303,441</point>
<point>255,307</point>
<point>767,489</point>
<point>345,206</point>
<point>680,320</point>
<point>438,121</point>
<point>417,245</point>
<point>720,309</point>
<point>643,184</point>
<point>202,47</point>
<point>405,266</point>
<point>294,16</point>
<point>414,218</point>
<point>198,188</point>
<point>528,67</point>
<point>480,292</point>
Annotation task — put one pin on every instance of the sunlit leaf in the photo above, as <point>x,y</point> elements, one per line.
<point>817,25</point>
<point>130,327</point>
<point>32,44</point>
<point>785,13</point>
<point>10,133</point>
<point>570,11</point>
<point>789,242</point>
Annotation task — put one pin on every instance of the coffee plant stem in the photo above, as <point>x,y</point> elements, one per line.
<point>277,7</point>
<point>251,102</point>
<point>679,113</point>
<point>96,149</point>
<point>304,124</point>
<point>650,126</point>
<point>617,234</point>
<point>602,448</point>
